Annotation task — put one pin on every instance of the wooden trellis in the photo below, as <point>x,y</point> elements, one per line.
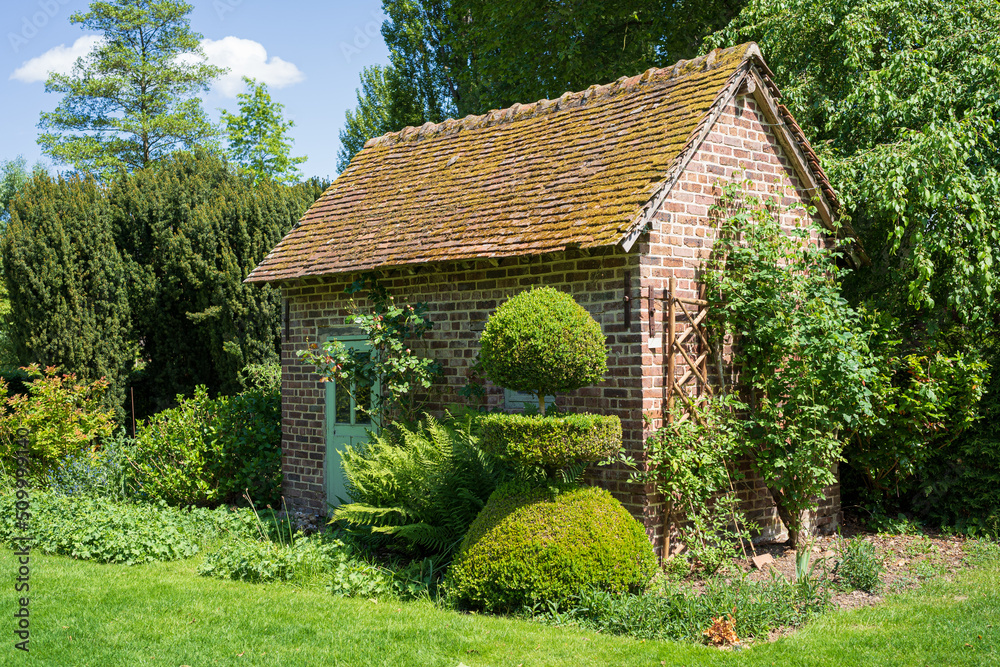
<point>693,312</point>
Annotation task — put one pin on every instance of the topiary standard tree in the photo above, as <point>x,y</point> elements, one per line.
<point>543,342</point>
<point>547,541</point>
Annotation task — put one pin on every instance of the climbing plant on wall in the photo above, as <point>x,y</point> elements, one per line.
<point>802,357</point>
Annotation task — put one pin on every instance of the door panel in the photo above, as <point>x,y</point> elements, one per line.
<point>347,423</point>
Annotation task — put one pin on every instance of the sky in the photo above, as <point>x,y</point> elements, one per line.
<point>309,53</point>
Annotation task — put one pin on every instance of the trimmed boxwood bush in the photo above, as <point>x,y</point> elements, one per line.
<point>528,545</point>
<point>551,442</point>
<point>543,342</point>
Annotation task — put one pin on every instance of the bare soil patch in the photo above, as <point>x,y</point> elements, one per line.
<point>909,560</point>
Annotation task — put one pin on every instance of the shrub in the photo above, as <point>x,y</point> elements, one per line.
<point>171,452</point>
<point>542,341</point>
<point>68,283</point>
<point>921,405</point>
<point>860,567</point>
<point>527,545</point>
<point>246,451</point>
<point>107,532</point>
<point>419,488</point>
<point>688,461</point>
<point>258,561</point>
<point>322,558</point>
<point>551,442</point>
<point>63,416</point>
<point>209,451</point>
<point>191,228</point>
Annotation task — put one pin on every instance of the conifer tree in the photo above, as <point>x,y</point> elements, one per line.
<point>67,282</point>
<point>192,229</point>
<point>134,99</point>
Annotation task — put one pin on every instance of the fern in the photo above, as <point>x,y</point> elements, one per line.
<point>420,488</point>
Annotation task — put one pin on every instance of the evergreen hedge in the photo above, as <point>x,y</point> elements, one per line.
<point>68,283</point>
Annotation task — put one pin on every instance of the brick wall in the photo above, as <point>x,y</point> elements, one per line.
<point>740,145</point>
<point>462,295</point>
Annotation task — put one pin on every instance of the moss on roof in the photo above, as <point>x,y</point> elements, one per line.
<point>530,179</point>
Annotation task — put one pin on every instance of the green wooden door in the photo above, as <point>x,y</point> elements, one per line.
<point>347,423</point>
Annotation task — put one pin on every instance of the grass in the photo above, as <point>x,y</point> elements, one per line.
<point>164,614</point>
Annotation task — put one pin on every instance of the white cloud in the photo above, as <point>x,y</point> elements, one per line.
<point>58,59</point>
<point>243,57</point>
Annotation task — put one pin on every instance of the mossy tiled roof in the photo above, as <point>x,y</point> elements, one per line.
<point>530,179</point>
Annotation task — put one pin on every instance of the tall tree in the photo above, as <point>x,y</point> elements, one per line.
<point>68,284</point>
<point>257,136</point>
<point>459,57</point>
<point>525,50</point>
<point>386,102</point>
<point>14,175</point>
<point>901,98</point>
<point>134,98</point>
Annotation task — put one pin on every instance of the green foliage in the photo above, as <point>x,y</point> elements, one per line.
<point>551,442</point>
<point>921,404</point>
<point>319,559</point>
<point>172,452</point>
<point>528,546</point>
<point>209,451</point>
<point>134,98</point>
<point>393,365</point>
<point>859,566</point>
<point>960,486</point>
<point>525,50</point>
<point>265,377</point>
<point>542,341</point>
<point>67,282</point>
<point>680,613</point>
<point>107,532</point>
<point>687,461</point>
<point>420,488</point>
<point>192,229</point>
<point>803,359</point>
<point>260,561</point>
<point>901,96</point>
<point>14,175</point>
<point>63,416</point>
<point>256,136</point>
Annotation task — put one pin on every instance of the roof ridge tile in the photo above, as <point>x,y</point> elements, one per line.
<point>568,99</point>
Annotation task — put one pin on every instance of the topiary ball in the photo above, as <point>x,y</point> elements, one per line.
<point>543,342</point>
<point>551,442</point>
<point>527,545</point>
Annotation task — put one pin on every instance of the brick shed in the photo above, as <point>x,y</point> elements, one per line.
<point>603,193</point>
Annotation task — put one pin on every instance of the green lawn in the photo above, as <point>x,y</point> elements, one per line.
<point>163,614</point>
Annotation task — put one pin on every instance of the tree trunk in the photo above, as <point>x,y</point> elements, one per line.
<point>792,523</point>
